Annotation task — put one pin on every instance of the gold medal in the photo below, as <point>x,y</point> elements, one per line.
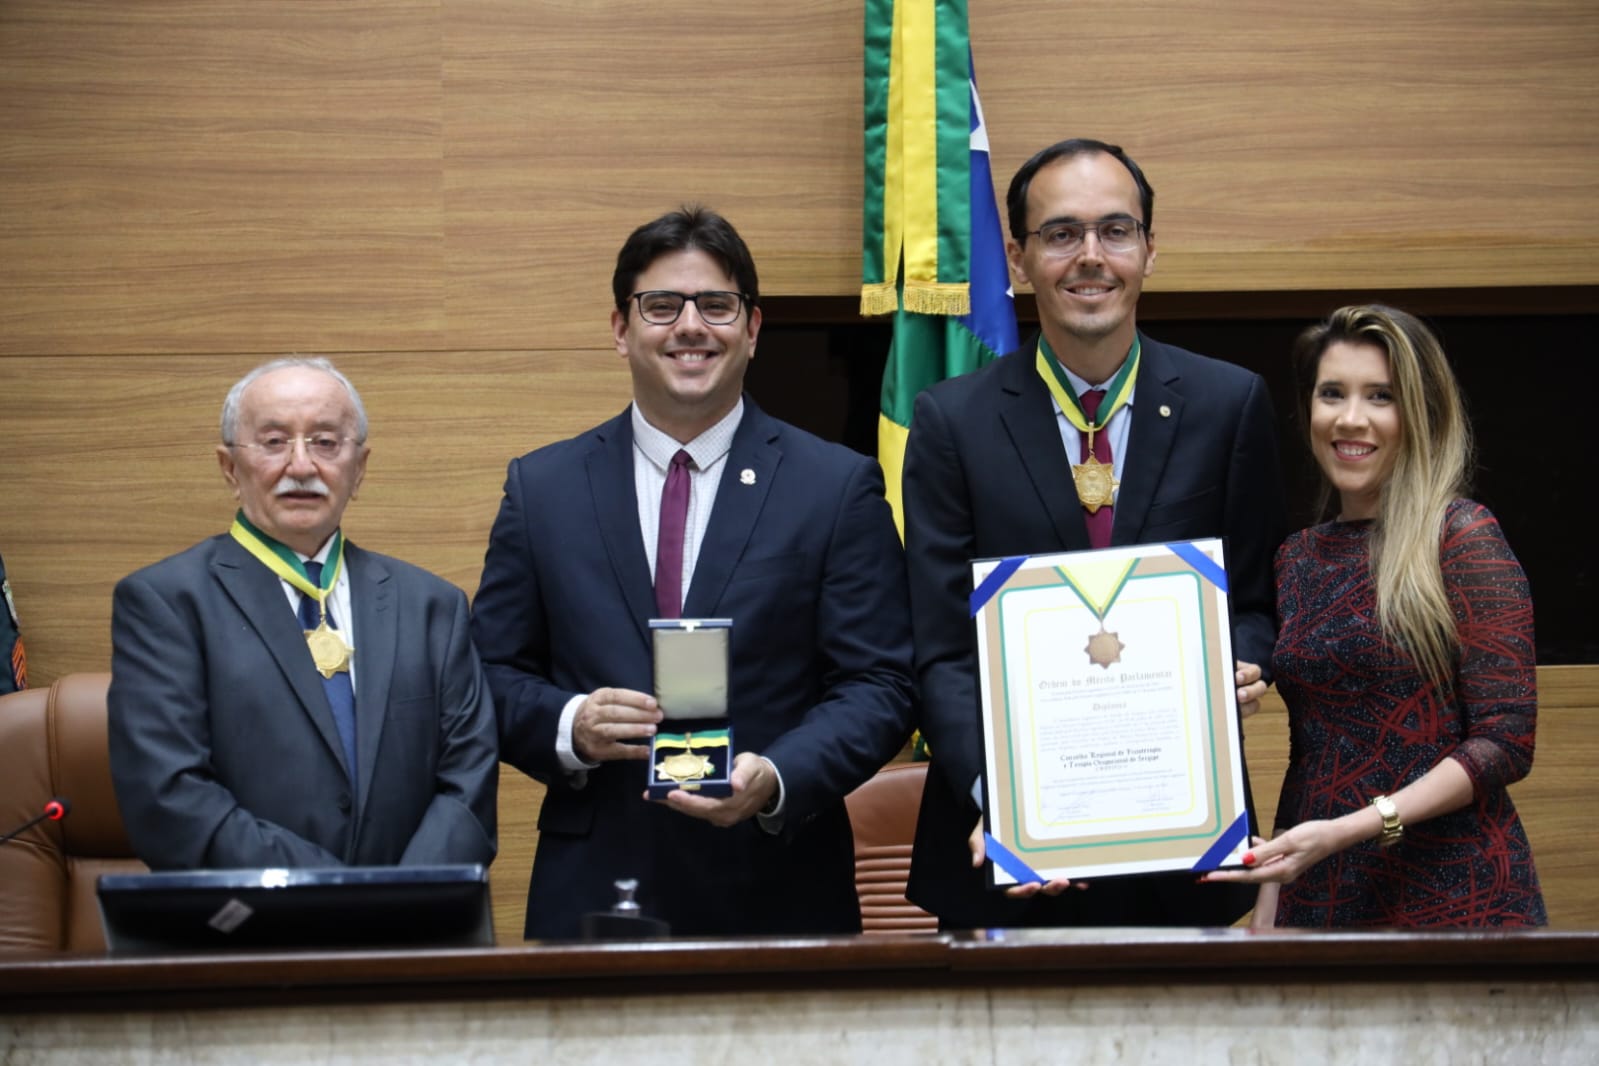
<point>688,767</point>
<point>1096,483</point>
<point>685,767</point>
<point>1104,648</point>
<point>328,650</point>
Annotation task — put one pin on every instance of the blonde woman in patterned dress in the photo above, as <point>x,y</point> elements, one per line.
<point>1404,655</point>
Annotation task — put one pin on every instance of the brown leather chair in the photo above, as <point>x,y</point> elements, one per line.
<point>882,814</point>
<point>53,743</point>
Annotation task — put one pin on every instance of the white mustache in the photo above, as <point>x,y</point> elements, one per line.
<point>287,484</point>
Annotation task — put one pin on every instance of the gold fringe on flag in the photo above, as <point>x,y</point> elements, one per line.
<point>952,299</point>
<point>879,299</point>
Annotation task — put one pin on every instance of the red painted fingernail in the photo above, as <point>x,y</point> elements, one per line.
<point>1249,858</point>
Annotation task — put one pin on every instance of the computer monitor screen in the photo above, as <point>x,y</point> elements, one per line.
<point>355,906</point>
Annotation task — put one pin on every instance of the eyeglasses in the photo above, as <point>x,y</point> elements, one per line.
<point>319,446</point>
<point>660,307</point>
<point>1061,239</point>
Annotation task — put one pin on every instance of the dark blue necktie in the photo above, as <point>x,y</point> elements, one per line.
<point>341,693</point>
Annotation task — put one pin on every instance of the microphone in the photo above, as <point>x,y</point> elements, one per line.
<point>625,920</point>
<point>57,809</point>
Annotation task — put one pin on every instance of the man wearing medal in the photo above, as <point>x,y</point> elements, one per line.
<point>786,535</point>
<point>280,697</point>
<point>1091,434</point>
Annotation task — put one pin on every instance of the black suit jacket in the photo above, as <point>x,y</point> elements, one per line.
<point>986,475</point>
<point>801,553</point>
<point>223,749</point>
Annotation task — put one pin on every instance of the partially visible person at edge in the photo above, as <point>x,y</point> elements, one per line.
<point>989,471</point>
<point>13,659</point>
<point>1405,657</point>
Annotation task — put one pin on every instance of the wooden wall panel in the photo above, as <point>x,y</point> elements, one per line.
<point>568,124</point>
<point>219,176</point>
<point>1364,144</point>
<point>520,799</point>
<point>457,174</point>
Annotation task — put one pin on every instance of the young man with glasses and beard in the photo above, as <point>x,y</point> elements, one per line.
<point>693,503</point>
<point>280,697</point>
<point>1091,434</point>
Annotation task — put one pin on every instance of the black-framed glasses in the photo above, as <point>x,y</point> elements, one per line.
<point>660,307</point>
<point>324,447</point>
<point>1116,235</point>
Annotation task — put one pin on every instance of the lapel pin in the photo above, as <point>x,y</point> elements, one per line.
<point>746,476</point>
<point>1165,412</point>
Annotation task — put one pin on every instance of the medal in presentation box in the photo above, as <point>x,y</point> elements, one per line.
<point>693,748</point>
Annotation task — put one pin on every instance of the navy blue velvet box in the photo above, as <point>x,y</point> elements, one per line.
<point>693,749</point>
<point>695,760</point>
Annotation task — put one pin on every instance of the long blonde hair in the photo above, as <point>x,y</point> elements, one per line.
<point>1431,471</point>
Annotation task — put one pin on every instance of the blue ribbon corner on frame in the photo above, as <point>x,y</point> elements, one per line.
<point>995,581</point>
<point>1223,845</point>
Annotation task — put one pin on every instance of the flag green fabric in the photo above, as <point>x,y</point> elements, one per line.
<point>929,208</point>
<point>917,209</point>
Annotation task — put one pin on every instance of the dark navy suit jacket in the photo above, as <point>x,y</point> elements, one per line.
<point>986,475</point>
<point>223,748</point>
<point>801,553</point>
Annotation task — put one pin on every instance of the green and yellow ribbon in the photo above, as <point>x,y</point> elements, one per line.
<point>918,158</point>
<point>710,738</point>
<point>282,560</point>
<point>1060,387</point>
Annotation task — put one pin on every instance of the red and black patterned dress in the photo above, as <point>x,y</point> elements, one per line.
<point>1364,723</point>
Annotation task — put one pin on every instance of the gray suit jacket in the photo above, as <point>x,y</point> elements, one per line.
<point>223,747</point>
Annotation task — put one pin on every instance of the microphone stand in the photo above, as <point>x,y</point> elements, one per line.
<point>53,811</point>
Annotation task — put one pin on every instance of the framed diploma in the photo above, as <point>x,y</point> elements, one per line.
<point>1110,714</point>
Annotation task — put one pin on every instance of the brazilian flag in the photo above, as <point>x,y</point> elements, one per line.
<point>933,253</point>
<point>932,250</point>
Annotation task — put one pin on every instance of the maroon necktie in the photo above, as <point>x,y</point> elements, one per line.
<point>1100,521</point>
<point>669,541</point>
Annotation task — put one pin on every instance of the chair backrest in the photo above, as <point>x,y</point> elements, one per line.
<point>53,742</point>
<point>882,814</point>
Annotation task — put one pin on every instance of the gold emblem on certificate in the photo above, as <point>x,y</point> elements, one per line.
<point>1096,483</point>
<point>328,650</point>
<point>1104,648</point>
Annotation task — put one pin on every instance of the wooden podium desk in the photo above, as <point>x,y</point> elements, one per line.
<point>1131,995</point>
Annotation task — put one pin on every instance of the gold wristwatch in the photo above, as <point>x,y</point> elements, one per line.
<point>1392,828</point>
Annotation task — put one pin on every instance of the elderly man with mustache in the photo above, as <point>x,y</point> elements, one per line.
<point>280,697</point>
